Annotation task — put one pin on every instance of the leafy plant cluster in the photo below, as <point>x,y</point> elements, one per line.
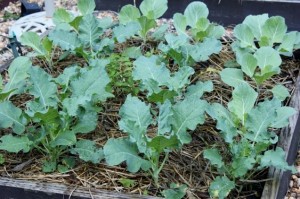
<point>162,106</point>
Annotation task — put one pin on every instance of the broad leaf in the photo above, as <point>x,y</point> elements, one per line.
<point>86,6</point>
<point>287,45</point>
<point>232,76</point>
<point>14,144</point>
<point>280,92</point>
<point>33,40</point>
<point>194,11</point>
<point>242,165</point>
<point>129,13</point>
<point>89,30</point>
<point>180,78</point>
<point>62,16</point>
<point>214,157</point>
<point>18,73</point>
<point>88,151</point>
<point>244,34</point>
<point>164,118</point>
<point>176,191</point>
<point>161,143</point>
<point>282,117</point>
<point>65,138</point>
<point>248,63</point>
<point>65,39</point>
<point>276,159</point>
<point>255,23</point>
<point>153,9</point>
<point>123,32</point>
<point>199,88</point>
<point>180,23</point>
<point>243,101</point>
<point>274,29</point>
<point>221,187</point>
<point>160,32</point>
<point>268,59</point>
<point>146,24</point>
<point>86,123</point>
<point>11,116</point>
<point>187,114</point>
<point>117,151</point>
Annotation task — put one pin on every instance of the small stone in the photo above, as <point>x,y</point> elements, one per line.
<point>293,195</point>
<point>294,177</point>
<point>291,184</point>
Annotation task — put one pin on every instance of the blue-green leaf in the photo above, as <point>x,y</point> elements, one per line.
<point>194,11</point>
<point>153,9</point>
<point>221,187</point>
<point>232,76</point>
<point>15,144</point>
<point>87,151</point>
<point>214,157</point>
<point>86,6</point>
<point>129,13</point>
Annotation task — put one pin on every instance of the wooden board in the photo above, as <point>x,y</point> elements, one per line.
<point>289,141</point>
<point>23,189</point>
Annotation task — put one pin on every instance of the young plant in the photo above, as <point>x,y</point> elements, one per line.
<point>248,130</point>
<point>52,117</point>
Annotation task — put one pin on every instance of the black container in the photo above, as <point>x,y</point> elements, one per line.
<point>226,12</point>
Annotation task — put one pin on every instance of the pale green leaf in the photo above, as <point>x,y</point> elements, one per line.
<point>89,30</point>
<point>86,6</point>
<point>268,60</point>
<point>86,123</point>
<point>221,187</point>
<point>275,29</point>
<point>287,45</point>
<point>18,73</point>
<point>87,151</point>
<point>44,91</point>
<point>117,151</point>
<point>162,143</point>
<point>245,36</point>
<point>248,64</point>
<point>214,156</point>
<point>146,24</point>
<point>199,88</point>
<point>202,24</point>
<point>61,15</point>
<point>282,117</point>
<point>65,78</point>
<point>280,92</point>
<point>180,23</point>
<point>176,192</point>
<point>132,52</point>
<point>164,118</point>
<point>129,13</point>
<point>232,76</point>
<point>11,116</point>
<point>187,114</point>
<point>180,78</point>
<point>215,31</point>
<point>240,166</point>
<point>65,39</point>
<point>275,159</point>
<point>15,144</point>
<point>160,32</point>
<point>255,23</point>
<point>176,41</point>
<point>194,11</point>
<point>33,40</point>
<point>123,32</point>
<point>153,9</point>
<point>65,138</point>
<point>244,97</point>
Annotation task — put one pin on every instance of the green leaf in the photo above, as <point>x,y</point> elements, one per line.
<point>18,73</point>
<point>180,78</point>
<point>176,41</point>
<point>132,52</point>
<point>187,114</point>
<point>244,98</point>
<point>275,29</point>
<point>283,115</point>
<point>287,45</point>
<point>276,159</point>
<point>123,32</point>
<point>255,23</point>
<point>2,159</point>
<point>76,22</point>
<point>268,57</point>
<point>128,183</point>
<point>215,31</point>
<point>232,76</point>
<point>117,151</point>
<point>199,88</point>
<point>161,143</point>
<point>86,123</point>
<point>87,151</point>
<point>60,15</point>
<point>65,39</point>
<point>225,121</point>
<point>194,11</point>
<point>89,30</point>
<point>241,166</point>
<point>176,192</point>
<point>180,23</point>
<point>244,34</point>
<point>221,187</point>
<point>202,24</point>
<point>33,40</point>
<point>162,96</point>
<point>67,76</point>
<point>280,92</point>
<point>65,138</point>
<point>149,69</point>
<point>49,166</point>
<point>248,63</point>
<point>11,116</point>
<point>153,9</point>
<point>164,118</point>
<point>15,144</point>
<point>44,91</point>
<point>214,157</point>
<point>160,32</point>
<point>86,6</point>
<point>146,24</point>
<point>202,51</point>
<point>129,13</point>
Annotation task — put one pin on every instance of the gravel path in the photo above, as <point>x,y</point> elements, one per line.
<point>13,9</point>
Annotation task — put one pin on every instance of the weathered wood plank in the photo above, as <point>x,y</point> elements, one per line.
<point>289,141</point>
<point>16,189</point>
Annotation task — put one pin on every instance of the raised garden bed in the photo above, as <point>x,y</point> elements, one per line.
<point>155,126</point>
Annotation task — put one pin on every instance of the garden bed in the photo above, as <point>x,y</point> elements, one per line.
<point>187,163</point>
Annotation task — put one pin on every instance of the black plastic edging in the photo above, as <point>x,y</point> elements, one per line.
<point>225,12</point>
